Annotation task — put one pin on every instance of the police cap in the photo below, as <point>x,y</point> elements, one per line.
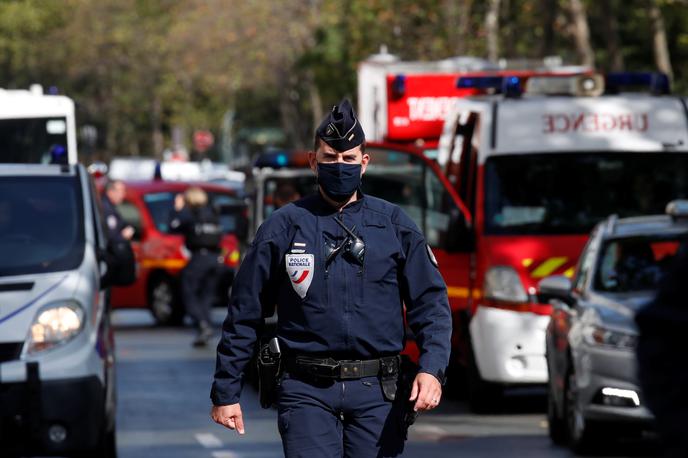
<point>340,129</point>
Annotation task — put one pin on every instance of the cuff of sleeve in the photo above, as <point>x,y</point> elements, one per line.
<point>438,372</point>
<point>222,399</point>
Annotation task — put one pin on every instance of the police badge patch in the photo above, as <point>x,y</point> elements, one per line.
<point>300,270</point>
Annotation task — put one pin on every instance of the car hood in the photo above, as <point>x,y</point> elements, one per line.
<point>617,311</point>
<point>22,296</point>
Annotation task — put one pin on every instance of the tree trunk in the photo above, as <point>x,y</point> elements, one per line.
<point>611,31</point>
<point>659,39</point>
<point>157,138</point>
<point>315,100</point>
<point>581,33</point>
<point>458,20</point>
<point>492,30</point>
<point>549,15</point>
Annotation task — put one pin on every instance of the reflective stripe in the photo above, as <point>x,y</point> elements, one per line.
<point>36,299</point>
<point>163,263</point>
<point>548,267</point>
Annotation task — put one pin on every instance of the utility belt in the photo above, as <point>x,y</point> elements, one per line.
<point>329,368</point>
<point>396,375</point>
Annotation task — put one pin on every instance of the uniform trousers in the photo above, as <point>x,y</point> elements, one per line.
<point>328,419</point>
<point>200,285</point>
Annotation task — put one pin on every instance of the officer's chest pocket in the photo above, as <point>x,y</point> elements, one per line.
<point>382,253</point>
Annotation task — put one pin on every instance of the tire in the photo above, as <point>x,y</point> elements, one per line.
<point>581,433</point>
<point>556,424</point>
<point>483,396</point>
<point>164,303</point>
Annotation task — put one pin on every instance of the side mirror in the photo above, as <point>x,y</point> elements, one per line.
<point>460,237</point>
<point>555,287</point>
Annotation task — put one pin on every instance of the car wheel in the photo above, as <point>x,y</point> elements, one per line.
<point>483,396</point>
<point>556,424</point>
<point>581,433</point>
<point>164,303</point>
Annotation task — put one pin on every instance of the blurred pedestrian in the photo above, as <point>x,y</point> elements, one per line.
<point>199,224</point>
<point>662,369</point>
<point>284,194</point>
<point>118,229</point>
<point>339,266</point>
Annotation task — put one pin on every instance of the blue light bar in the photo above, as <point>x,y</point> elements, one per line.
<point>510,86</point>
<point>656,82</point>
<point>399,86</point>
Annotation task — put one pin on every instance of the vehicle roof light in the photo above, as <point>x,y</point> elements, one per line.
<point>677,209</point>
<point>510,86</point>
<point>575,85</point>
<point>656,82</point>
<point>399,86</point>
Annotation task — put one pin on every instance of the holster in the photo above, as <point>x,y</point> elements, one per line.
<point>269,370</point>
<point>407,374</point>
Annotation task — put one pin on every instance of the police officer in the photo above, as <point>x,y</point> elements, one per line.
<point>194,218</point>
<point>118,229</point>
<point>340,265</point>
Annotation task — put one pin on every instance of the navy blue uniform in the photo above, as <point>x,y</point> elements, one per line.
<point>113,220</point>
<point>340,310</point>
<point>202,234</point>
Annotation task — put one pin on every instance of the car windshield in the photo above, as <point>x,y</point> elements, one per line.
<point>633,265</point>
<point>570,193</point>
<point>231,210</point>
<point>41,225</point>
<point>34,140</point>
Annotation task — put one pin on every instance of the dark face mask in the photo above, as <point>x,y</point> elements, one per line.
<point>339,181</point>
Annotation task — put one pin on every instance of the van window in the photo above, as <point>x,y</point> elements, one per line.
<point>34,140</point>
<point>46,215</point>
<point>568,193</point>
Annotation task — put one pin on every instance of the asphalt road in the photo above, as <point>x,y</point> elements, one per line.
<point>163,387</point>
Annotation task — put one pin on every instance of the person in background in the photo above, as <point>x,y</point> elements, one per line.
<point>661,347</point>
<point>284,194</point>
<point>118,229</point>
<point>199,224</point>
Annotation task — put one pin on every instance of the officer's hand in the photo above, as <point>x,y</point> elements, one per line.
<point>228,416</point>
<point>426,391</point>
<point>128,232</point>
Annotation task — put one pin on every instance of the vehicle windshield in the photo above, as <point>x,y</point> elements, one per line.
<point>570,193</point>
<point>41,225</point>
<point>34,140</point>
<point>633,265</point>
<point>231,210</point>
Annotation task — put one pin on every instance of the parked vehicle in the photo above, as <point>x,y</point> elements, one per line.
<point>36,127</point>
<point>57,358</point>
<point>538,164</point>
<point>161,255</point>
<point>590,341</point>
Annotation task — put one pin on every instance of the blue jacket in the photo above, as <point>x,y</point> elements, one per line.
<point>341,310</point>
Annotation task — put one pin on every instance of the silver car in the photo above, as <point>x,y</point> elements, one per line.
<point>590,342</point>
<point>57,385</point>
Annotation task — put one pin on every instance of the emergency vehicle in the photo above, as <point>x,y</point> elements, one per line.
<point>407,102</point>
<point>161,255</point>
<point>36,127</point>
<point>538,163</point>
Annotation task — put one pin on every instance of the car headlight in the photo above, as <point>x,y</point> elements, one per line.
<point>503,284</point>
<point>55,324</point>
<point>599,335</point>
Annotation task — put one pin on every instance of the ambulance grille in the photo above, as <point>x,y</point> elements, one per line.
<point>10,351</point>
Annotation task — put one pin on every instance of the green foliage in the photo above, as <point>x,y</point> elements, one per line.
<point>136,68</point>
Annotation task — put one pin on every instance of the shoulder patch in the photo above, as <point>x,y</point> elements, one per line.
<point>431,255</point>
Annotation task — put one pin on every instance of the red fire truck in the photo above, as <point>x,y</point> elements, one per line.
<point>538,163</point>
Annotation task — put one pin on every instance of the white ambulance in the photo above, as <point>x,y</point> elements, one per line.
<point>538,163</point>
<point>36,127</point>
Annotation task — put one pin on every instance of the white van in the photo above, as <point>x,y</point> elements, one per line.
<point>36,128</point>
<point>57,381</point>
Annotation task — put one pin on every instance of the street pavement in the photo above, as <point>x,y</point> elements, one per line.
<point>163,409</point>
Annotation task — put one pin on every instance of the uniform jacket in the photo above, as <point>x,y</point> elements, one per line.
<point>113,220</point>
<point>200,227</point>
<point>341,310</point>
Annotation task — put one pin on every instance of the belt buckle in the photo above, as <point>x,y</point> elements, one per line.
<point>351,369</point>
<point>328,368</point>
